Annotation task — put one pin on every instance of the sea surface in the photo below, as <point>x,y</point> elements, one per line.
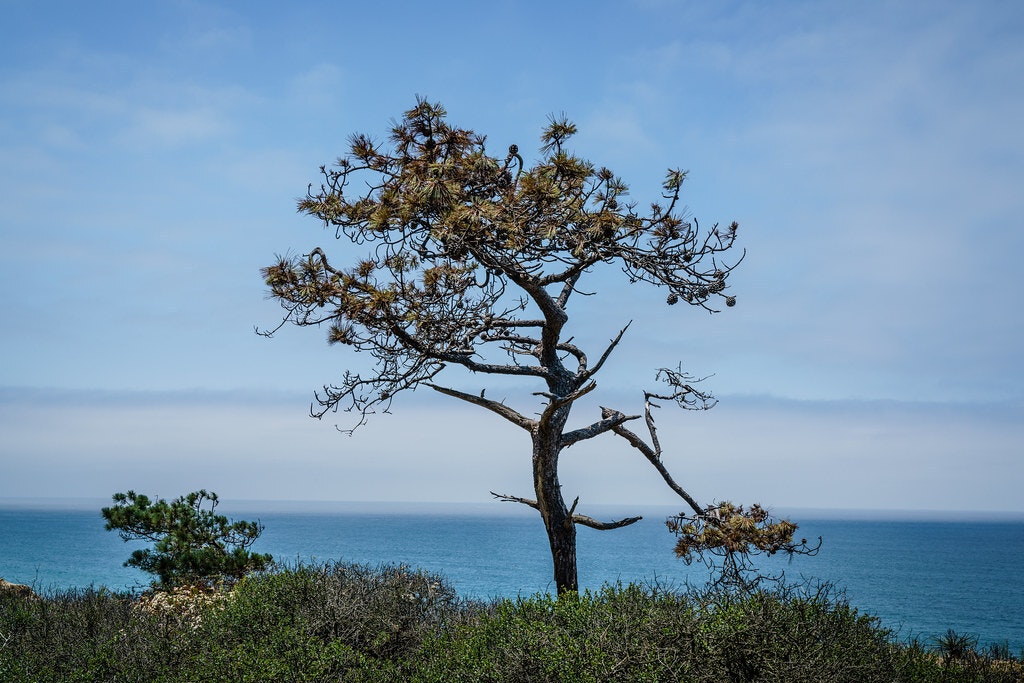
<point>920,574</point>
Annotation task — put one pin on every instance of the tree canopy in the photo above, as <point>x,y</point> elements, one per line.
<point>471,261</point>
<point>192,544</point>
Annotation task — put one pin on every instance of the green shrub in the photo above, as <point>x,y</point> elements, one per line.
<point>792,634</point>
<point>613,634</point>
<point>85,634</point>
<point>803,633</point>
<point>355,623</point>
<point>384,612</point>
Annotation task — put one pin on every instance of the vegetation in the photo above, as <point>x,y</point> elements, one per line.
<point>193,546</point>
<point>468,260</point>
<point>727,538</point>
<point>355,623</point>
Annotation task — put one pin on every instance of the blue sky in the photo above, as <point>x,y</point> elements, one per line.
<point>872,153</point>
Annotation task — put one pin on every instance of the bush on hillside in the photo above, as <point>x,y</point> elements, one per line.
<point>354,623</point>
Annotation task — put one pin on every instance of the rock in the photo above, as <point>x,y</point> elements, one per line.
<point>17,588</point>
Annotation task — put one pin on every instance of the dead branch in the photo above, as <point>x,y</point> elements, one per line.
<point>510,414</point>
<point>582,520</point>
<point>652,455</point>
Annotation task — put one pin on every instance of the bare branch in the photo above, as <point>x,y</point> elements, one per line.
<point>683,393</point>
<point>595,429</point>
<point>653,456</point>
<point>509,414</point>
<point>557,402</point>
<point>582,520</point>
<point>607,352</point>
<point>516,499</point>
<point>569,287</point>
<point>572,510</point>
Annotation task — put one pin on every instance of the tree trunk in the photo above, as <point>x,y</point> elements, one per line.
<point>557,518</point>
<point>562,538</point>
<point>547,445</point>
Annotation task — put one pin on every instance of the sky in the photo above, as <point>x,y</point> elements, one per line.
<point>872,153</point>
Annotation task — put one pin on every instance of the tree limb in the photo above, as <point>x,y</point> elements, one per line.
<point>509,414</point>
<point>595,429</point>
<point>607,352</point>
<point>652,455</point>
<point>516,499</point>
<point>582,520</point>
<point>557,402</point>
<point>604,526</point>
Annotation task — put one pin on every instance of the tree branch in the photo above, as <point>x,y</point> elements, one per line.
<point>516,499</point>
<point>607,352</point>
<point>509,414</point>
<point>652,455</point>
<point>582,520</point>
<point>463,359</point>
<point>595,429</point>
<point>559,401</point>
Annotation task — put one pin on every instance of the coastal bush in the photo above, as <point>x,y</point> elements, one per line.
<point>803,633</point>
<point>384,612</point>
<point>618,633</point>
<point>83,634</point>
<point>349,622</point>
<point>639,634</point>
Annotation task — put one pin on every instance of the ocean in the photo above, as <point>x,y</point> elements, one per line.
<point>921,575</point>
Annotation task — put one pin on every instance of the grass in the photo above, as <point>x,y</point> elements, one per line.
<point>343,622</point>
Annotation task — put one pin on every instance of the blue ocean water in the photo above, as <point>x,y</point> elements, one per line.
<point>920,576</point>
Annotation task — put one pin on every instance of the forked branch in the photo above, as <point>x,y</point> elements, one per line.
<point>582,520</point>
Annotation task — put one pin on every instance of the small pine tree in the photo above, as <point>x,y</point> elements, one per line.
<point>193,545</point>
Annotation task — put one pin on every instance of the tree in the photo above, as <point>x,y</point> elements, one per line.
<point>194,546</point>
<point>472,263</point>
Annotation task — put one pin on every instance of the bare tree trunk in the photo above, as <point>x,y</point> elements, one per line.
<point>559,526</point>
<point>562,538</point>
<point>557,518</point>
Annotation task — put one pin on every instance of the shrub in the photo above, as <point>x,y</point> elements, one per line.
<point>618,633</point>
<point>384,612</point>
<point>803,633</point>
<point>355,623</point>
<point>90,634</point>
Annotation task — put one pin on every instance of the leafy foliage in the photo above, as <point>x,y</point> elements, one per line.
<point>192,544</point>
<point>355,623</point>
